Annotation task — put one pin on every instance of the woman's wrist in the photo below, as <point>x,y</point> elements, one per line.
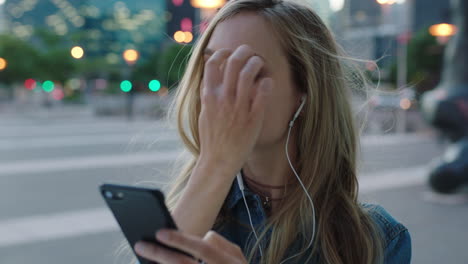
<point>218,164</point>
<point>203,197</point>
<point>213,171</point>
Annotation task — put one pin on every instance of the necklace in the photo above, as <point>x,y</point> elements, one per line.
<point>266,199</point>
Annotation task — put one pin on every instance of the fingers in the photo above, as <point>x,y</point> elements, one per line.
<point>246,82</point>
<point>213,75</point>
<point>192,245</point>
<point>259,103</point>
<point>221,243</point>
<point>152,252</point>
<point>235,64</point>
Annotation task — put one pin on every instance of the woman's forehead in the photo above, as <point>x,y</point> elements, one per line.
<point>245,28</point>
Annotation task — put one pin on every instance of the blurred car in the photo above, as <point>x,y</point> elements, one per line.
<point>404,99</point>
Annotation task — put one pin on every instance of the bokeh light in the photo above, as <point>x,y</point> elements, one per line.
<point>48,86</point>
<point>74,83</point>
<point>405,103</point>
<point>30,84</point>
<point>442,30</point>
<point>131,55</point>
<point>179,36</point>
<point>126,86</point>
<point>336,5</point>
<point>188,37</point>
<point>77,52</point>
<point>154,85</point>
<point>58,94</point>
<point>177,2</point>
<point>207,3</point>
<point>186,24</point>
<point>3,64</point>
<point>183,37</point>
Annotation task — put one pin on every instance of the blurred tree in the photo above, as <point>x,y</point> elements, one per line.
<point>173,63</point>
<point>55,61</point>
<point>57,65</point>
<point>425,57</point>
<point>23,60</point>
<point>148,70</point>
<point>45,59</point>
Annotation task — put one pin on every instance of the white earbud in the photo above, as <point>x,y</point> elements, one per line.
<point>303,99</point>
<point>241,184</point>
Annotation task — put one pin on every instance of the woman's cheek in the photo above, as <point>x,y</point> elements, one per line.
<point>271,129</point>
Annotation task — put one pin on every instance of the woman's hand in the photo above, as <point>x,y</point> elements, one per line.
<point>212,249</point>
<point>233,98</point>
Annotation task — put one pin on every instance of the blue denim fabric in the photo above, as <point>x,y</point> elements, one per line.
<point>397,238</point>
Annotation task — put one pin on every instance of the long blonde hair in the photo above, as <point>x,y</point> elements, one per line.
<point>327,143</point>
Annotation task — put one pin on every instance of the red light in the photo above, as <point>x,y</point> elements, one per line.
<point>186,24</point>
<point>57,94</point>
<point>177,2</point>
<point>30,84</point>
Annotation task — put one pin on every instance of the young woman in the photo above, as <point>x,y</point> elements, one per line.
<point>264,110</point>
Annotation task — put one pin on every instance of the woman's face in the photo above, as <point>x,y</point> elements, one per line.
<point>251,29</point>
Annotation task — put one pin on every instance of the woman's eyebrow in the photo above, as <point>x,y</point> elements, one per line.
<point>209,51</point>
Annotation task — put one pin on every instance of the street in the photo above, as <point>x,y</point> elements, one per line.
<point>51,211</point>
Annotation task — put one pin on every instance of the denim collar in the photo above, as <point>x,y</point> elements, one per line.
<point>235,194</point>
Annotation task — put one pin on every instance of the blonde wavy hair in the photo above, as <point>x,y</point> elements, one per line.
<point>328,138</point>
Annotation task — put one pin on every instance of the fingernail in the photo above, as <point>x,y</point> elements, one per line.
<point>139,247</point>
<point>162,235</point>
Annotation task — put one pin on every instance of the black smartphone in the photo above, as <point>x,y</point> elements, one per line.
<point>140,212</point>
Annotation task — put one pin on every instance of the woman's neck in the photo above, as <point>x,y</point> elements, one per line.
<point>268,165</point>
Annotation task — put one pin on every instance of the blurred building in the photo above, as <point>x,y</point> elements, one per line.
<point>370,30</point>
<point>103,27</point>
<point>2,17</point>
<point>426,14</point>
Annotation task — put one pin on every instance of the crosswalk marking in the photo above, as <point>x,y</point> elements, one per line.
<point>68,224</point>
<point>97,161</point>
<point>83,140</point>
<point>55,226</point>
<point>61,225</point>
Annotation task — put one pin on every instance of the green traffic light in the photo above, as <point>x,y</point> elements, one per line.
<point>48,86</point>
<point>154,85</point>
<point>126,86</point>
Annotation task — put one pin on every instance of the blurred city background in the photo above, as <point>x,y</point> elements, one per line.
<point>85,86</point>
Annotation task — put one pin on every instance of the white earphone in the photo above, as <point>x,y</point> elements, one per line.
<point>303,99</point>
<point>240,182</point>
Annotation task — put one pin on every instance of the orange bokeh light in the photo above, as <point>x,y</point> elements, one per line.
<point>179,36</point>
<point>405,103</point>
<point>188,37</point>
<point>131,56</point>
<point>207,3</point>
<point>3,64</point>
<point>442,30</point>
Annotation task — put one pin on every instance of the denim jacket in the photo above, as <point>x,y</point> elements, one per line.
<point>397,238</point>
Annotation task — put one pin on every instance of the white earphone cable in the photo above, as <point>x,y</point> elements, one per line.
<point>250,219</point>
<point>241,186</point>
<point>305,191</point>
